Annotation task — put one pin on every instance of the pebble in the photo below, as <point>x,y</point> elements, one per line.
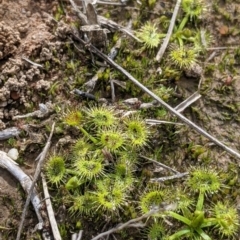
<point>13,154</point>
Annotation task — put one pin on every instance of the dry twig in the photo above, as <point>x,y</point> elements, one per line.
<point>35,178</point>
<point>156,122</point>
<point>50,212</point>
<point>160,164</point>
<point>162,179</point>
<point>187,102</point>
<point>169,33</point>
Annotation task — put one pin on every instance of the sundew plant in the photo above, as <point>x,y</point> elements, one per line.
<point>102,178</point>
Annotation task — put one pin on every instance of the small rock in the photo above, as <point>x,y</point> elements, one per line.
<point>13,154</point>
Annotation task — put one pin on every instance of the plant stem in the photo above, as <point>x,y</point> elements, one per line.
<point>85,133</point>
<point>183,23</point>
<point>199,206</point>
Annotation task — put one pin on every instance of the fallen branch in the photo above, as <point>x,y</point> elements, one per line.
<point>35,178</point>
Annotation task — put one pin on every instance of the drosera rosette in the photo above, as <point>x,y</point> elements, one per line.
<point>73,117</point>
<point>136,131</point>
<point>197,221</point>
<point>100,117</point>
<point>183,200</point>
<point>128,158</point>
<point>183,57</point>
<point>155,231</point>
<point>110,195</point>
<point>149,35</point>
<point>89,167</point>
<point>151,198</point>
<point>193,10</point>
<point>81,204</point>
<point>81,148</point>
<point>123,171</point>
<point>227,219</point>
<point>112,139</point>
<point>202,40</point>
<point>55,169</point>
<point>204,181</point>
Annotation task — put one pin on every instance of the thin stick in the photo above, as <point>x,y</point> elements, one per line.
<point>130,223</point>
<point>160,164</point>
<point>169,33</point>
<point>111,3</point>
<point>222,48</point>
<point>162,179</point>
<point>155,122</point>
<point>35,178</point>
<point>31,62</point>
<point>187,102</point>
<point>50,212</point>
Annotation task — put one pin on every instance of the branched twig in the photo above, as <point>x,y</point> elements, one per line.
<point>130,223</point>
<point>223,48</point>
<point>155,122</point>
<point>35,178</point>
<point>153,95</point>
<point>169,33</point>
<point>51,216</point>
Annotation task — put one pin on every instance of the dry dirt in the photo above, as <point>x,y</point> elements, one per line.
<point>27,29</point>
